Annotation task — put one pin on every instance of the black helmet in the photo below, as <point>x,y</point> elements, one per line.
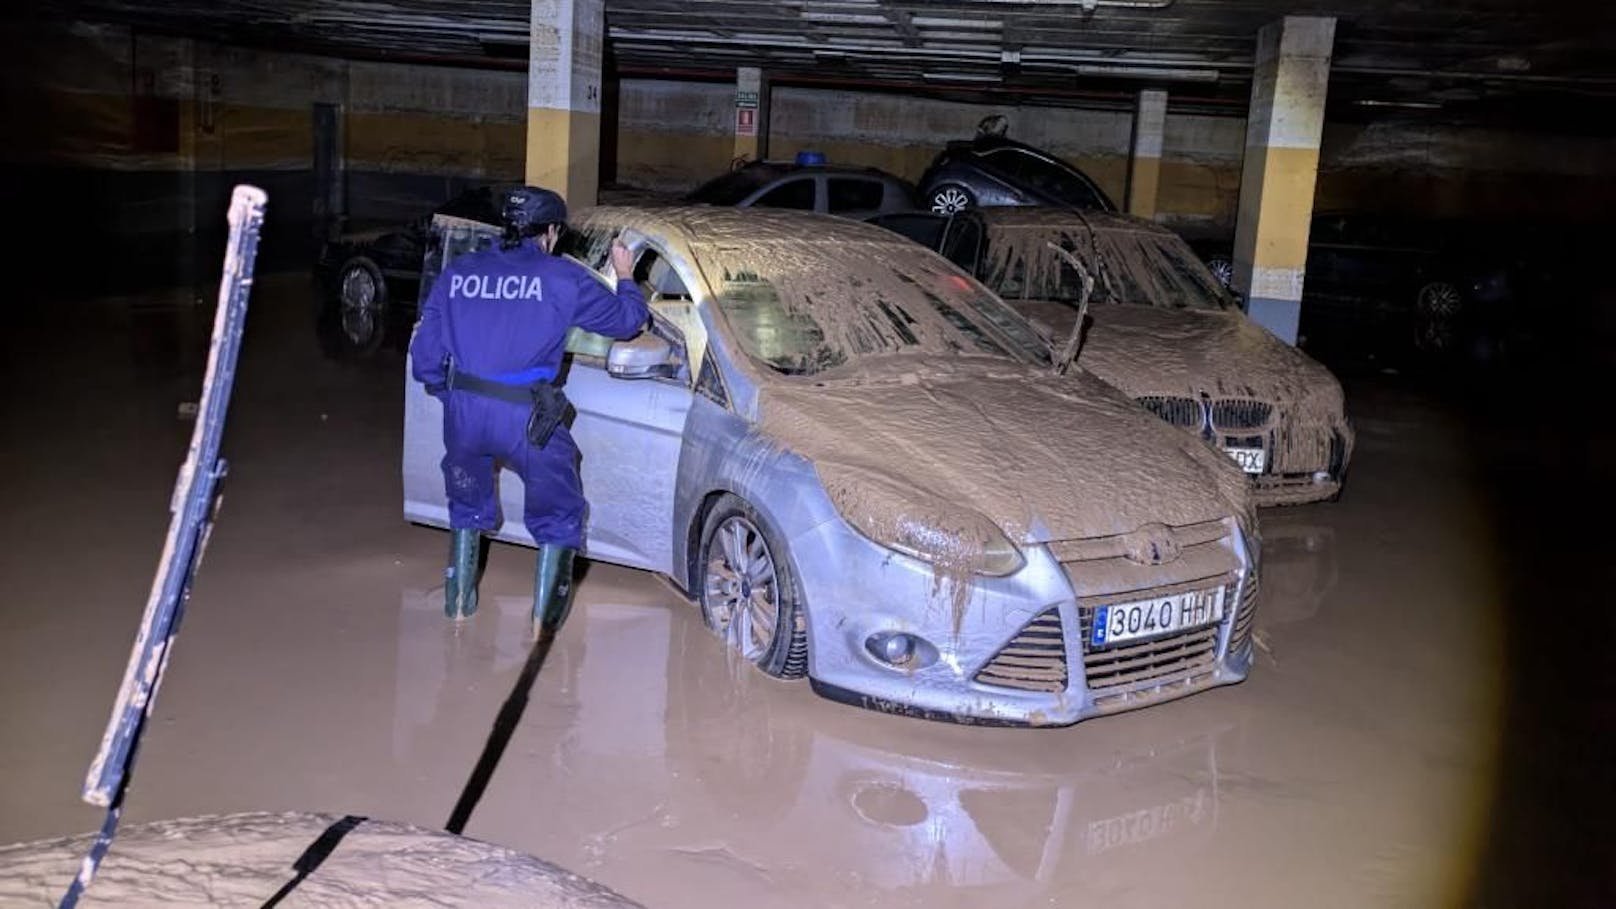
<point>525,210</point>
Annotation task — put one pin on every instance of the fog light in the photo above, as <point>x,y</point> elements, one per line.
<point>1321,476</point>
<point>892,647</point>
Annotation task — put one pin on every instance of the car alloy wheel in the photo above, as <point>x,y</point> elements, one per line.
<point>950,200</point>
<point>742,591</point>
<point>361,298</point>
<point>1437,309</point>
<point>1222,268</point>
<point>747,592</point>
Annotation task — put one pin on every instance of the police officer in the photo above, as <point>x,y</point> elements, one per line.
<point>489,345</point>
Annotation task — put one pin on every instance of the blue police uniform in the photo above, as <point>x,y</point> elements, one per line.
<point>503,315</point>
<point>497,319</point>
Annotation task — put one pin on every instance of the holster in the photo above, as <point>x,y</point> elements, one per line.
<point>550,407</point>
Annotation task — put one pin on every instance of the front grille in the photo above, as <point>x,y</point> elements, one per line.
<point>1182,412</point>
<point>1240,414</point>
<point>1101,574</point>
<point>1034,660</point>
<point>1168,657</point>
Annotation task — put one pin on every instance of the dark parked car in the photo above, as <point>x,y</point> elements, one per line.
<point>369,280</point>
<point>992,170</point>
<point>805,185</point>
<point>1438,287</point>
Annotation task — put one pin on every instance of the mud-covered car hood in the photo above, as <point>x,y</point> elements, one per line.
<point>1044,457</point>
<point>1147,351</point>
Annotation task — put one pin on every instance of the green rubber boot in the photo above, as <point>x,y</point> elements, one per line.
<point>460,578</point>
<point>552,588</point>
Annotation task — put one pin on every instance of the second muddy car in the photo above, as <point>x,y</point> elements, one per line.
<point>1162,329</point>
<point>864,468</point>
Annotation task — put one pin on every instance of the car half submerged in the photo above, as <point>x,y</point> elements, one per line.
<point>863,468</point>
<point>1164,331</point>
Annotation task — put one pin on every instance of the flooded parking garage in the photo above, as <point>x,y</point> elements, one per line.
<point>1365,761</point>
<point>1337,249</point>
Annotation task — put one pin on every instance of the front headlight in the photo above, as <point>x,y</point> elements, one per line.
<point>918,524</point>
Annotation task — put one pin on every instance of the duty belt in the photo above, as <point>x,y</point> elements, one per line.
<point>517,388</point>
<point>535,387</point>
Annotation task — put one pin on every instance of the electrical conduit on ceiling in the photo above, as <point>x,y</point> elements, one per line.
<point>1089,5</point>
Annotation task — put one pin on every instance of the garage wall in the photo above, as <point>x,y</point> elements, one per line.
<point>676,134</point>
<point>136,140</point>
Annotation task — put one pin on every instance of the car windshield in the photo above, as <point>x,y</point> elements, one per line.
<point>733,188</point>
<point>1133,267</point>
<point>1052,178</point>
<point>803,308</point>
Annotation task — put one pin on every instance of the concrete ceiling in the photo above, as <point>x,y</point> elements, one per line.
<point>1499,57</point>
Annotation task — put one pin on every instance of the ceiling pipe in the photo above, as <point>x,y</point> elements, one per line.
<point>1087,5</point>
<point>782,78</point>
<point>993,56</point>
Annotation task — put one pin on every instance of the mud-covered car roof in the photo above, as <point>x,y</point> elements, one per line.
<point>1050,216</point>
<point>708,224</point>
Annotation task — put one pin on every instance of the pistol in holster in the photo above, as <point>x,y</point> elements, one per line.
<point>550,408</point>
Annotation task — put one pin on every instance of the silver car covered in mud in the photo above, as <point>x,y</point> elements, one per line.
<point>864,469</point>
<point>1164,331</point>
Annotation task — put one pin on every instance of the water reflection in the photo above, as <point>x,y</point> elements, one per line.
<point>1299,571</point>
<point>655,749</point>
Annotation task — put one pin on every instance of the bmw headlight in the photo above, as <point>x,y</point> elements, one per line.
<point>919,524</point>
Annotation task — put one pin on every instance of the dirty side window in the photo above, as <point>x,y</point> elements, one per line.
<point>851,194</point>
<point>710,384</point>
<point>657,279</point>
<point>963,247</point>
<point>590,245</point>
<point>797,194</point>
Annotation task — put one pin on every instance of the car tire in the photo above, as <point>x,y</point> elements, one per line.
<point>1437,307</point>
<point>949,199</point>
<point>1222,268</point>
<point>360,307</point>
<point>748,592</point>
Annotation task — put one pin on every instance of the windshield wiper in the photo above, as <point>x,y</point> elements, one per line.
<point>1074,342</point>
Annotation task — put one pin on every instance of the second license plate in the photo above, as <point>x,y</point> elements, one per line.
<point>1251,460</point>
<point>1148,618</point>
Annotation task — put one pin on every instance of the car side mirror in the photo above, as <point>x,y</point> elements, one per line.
<point>645,357</point>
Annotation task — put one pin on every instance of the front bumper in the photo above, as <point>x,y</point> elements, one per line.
<point>875,590</point>
<point>1305,457</point>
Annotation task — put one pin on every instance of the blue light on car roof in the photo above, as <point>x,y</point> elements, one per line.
<point>810,158</point>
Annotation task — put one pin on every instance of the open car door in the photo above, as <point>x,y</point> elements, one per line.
<point>629,431</point>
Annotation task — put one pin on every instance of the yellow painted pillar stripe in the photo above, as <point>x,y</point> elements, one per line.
<point>563,153</point>
<point>1278,177</point>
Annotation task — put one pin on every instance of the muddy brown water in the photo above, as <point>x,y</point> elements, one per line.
<point>315,672</point>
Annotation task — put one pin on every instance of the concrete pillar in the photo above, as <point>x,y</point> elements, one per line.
<point>563,97</point>
<point>1282,163</point>
<point>751,114</point>
<point>1144,158</point>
